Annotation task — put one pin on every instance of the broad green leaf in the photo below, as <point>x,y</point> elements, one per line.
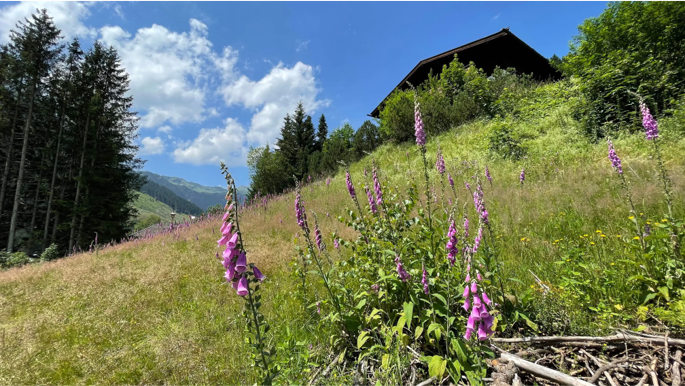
<point>385,361</point>
<point>418,332</point>
<point>408,313</point>
<point>435,327</point>
<point>441,298</point>
<point>362,338</point>
<point>436,366</point>
<point>361,304</point>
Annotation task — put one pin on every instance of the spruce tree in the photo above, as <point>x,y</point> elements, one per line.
<point>321,133</point>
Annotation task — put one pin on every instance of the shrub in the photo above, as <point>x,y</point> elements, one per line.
<point>147,221</point>
<point>50,253</point>
<point>631,47</point>
<point>503,142</point>
<point>16,259</point>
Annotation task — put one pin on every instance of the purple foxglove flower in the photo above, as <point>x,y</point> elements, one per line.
<point>418,126</point>
<point>475,313</point>
<point>424,281</point>
<point>241,263</point>
<point>336,243</point>
<point>482,334</point>
<point>223,240</point>
<point>522,176</point>
<point>466,227</point>
<point>649,123</point>
<point>487,174</point>
<point>467,334</point>
<point>365,174</point>
<point>328,181</point>
<point>318,238</point>
<point>484,313</point>
<point>440,164</point>
<point>476,242</point>
<point>476,301</point>
<point>479,277</point>
<point>468,277</point>
<point>225,216</point>
<point>233,242</point>
<point>230,253</point>
<point>467,304</point>
<point>350,187</point>
<point>486,299</point>
<point>242,286</point>
<point>258,274</point>
<point>318,307</point>
<point>488,324</point>
<point>231,270</point>
<point>450,180</point>
<point>229,276</point>
<point>615,161</point>
<point>484,216</point>
<point>471,324</point>
<point>226,228</point>
<point>234,284</point>
<point>474,288</point>
<point>217,255</point>
<point>372,202</point>
<point>468,187</point>
<point>377,189</point>
<point>466,291</point>
<point>226,262</point>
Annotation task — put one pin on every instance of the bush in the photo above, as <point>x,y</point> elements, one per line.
<point>147,221</point>
<point>632,47</point>
<point>50,253</point>
<point>16,259</point>
<point>503,142</point>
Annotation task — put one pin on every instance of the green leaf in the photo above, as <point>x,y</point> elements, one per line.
<point>385,361</point>
<point>441,298</point>
<point>418,332</point>
<point>361,304</point>
<point>436,366</point>
<point>362,338</point>
<point>664,292</point>
<point>408,313</point>
<point>435,327</point>
<point>459,348</point>
<point>400,324</point>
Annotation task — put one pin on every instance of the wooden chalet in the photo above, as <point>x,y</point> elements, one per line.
<point>502,49</point>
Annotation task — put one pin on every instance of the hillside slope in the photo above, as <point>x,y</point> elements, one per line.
<point>159,310</point>
<point>200,195</point>
<point>148,205</point>
<point>166,196</point>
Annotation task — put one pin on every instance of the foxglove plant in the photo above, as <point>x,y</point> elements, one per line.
<point>242,276</point>
<point>487,175</point>
<point>522,176</point>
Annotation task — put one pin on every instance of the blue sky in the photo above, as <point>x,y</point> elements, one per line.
<point>211,79</point>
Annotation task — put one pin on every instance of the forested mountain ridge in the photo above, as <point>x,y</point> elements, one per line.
<point>200,195</point>
<point>168,197</point>
<point>67,157</point>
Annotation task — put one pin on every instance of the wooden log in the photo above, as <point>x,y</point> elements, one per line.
<point>544,372</point>
<point>675,370</point>
<point>619,337</point>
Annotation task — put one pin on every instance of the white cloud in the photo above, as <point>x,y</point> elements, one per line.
<point>169,71</point>
<point>226,144</point>
<point>496,17</point>
<point>272,97</point>
<point>301,45</point>
<point>164,129</point>
<point>151,146</point>
<point>67,16</point>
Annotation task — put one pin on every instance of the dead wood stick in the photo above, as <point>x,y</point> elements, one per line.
<point>330,366</point>
<point>544,372</point>
<point>619,337</point>
<point>675,371</point>
<point>652,373</point>
<point>608,367</point>
<point>427,382</point>
<point>314,377</point>
<point>667,363</point>
<point>643,380</point>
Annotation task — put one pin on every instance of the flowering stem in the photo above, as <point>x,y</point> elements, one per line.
<point>629,197</point>
<point>667,192</point>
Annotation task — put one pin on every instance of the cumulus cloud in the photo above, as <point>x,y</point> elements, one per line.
<point>164,129</point>
<point>67,16</point>
<point>272,97</point>
<point>223,144</point>
<point>169,71</point>
<point>151,146</point>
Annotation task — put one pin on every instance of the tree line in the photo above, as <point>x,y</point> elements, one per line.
<point>304,152</point>
<point>67,157</point>
<point>165,195</point>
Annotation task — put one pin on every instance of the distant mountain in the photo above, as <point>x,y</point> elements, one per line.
<point>168,197</point>
<point>200,195</point>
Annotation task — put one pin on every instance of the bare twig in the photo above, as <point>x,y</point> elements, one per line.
<point>427,382</point>
<point>675,370</point>
<point>619,337</point>
<point>667,363</point>
<point>543,372</point>
<point>608,367</point>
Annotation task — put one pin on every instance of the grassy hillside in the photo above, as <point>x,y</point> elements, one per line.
<point>149,205</point>
<point>202,196</point>
<point>159,310</point>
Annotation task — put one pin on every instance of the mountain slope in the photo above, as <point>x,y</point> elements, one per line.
<point>148,205</point>
<point>200,195</point>
<point>170,198</point>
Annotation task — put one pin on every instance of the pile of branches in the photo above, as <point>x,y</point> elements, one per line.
<point>626,358</point>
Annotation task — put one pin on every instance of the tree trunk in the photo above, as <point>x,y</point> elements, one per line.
<point>78,186</point>
<point>20,177</point>
<point>92,165</point>
<point>54,175</point>
<point>8,163</point>
<point>35,201</point>
<point>61,198</point>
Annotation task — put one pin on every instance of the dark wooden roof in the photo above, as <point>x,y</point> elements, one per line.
<point>502,49</point>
